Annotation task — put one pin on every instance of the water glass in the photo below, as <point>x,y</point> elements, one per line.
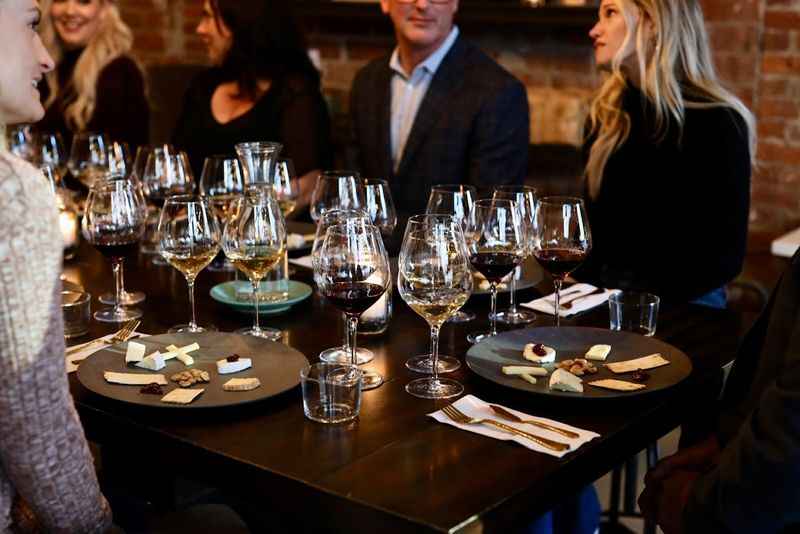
<point>75,306</point>
<point>331,392</point>
<point>633,312</point>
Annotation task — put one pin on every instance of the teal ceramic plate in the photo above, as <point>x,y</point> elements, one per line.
<point>226,294</point>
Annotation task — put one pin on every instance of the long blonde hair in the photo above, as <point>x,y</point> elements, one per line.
<point>112,40</point>
<point>675,71</point>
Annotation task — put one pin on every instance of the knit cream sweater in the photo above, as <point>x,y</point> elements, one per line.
<point>44,457</point>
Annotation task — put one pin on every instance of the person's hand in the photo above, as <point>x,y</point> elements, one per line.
<point>672,497</point>
<point>700,457</point>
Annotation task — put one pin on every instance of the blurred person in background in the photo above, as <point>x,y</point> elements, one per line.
<point>97,85</point>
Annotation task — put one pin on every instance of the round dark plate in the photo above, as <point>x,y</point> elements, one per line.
<point>274,364</point>
<point>487,358</point>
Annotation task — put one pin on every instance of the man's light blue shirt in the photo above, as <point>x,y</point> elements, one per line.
<point>408,91</point>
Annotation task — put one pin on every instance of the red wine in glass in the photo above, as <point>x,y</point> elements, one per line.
<point>494,265</point>
<point>353,298</point>
<point>559,262</point>
<point>118,250</point>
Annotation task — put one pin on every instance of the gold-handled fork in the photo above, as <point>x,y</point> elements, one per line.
<point>505,414</point>
<point>459,417</point>
<point>121,335</point>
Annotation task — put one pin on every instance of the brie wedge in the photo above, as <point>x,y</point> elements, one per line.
<point>598,352</point>
<point>135,352</point>
<point>549,354</point>
<point>153,362</point>
<point>225,367</point>
<point>524,370</point>
<point>562,380</point>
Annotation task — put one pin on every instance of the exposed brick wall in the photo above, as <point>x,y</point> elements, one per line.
<point>756,47</point>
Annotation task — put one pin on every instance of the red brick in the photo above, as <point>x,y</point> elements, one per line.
<point>774,88</point>
<point>770,108</point>
<point>778,153</point>
<point>780,64</point>
<point>783,20</point>
<point>771,128</point>
<point>716,10</point>
<point>776,41</point>
<point>741,38</point>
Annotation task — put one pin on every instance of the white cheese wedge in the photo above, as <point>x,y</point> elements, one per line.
<point>528,378</point>
<point>562,380</point>
<point>225,367</point>
<point>135,352</point>
<point>134,379</point>
<point>181,396</point>
<point>617,385</point>
<point>598,352</point>
<point>153,362</point>
<point>241,384</point>
<point>524,370</point>
<point>549,356</point>
<point>647,362</point>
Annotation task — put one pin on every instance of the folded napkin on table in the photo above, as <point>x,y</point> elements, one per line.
<point>90,347</point>
<point>472,406</point>
<point>578,294</point>
<point>303,261</point>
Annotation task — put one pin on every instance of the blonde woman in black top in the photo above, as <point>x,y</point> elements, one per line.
<point>669,157</point>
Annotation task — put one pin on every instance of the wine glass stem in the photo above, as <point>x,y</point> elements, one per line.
<point>193,322</point>
<point>346,344</point>
<point>256,326</point>
<point>121,282</point>
<point>352,329</point>
<point>512,306</point>
<point>557,283</point>
<point>492,318</point>
<point>116,266</point>
<point>435,351</point>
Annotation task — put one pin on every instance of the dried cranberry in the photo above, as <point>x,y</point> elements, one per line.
<point>152,389</point>
<point>640,376</point>
<point>538,350</point>
<point>232,358</point>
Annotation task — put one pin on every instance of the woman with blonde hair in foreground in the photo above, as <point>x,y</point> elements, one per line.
<point>97,86</point>
<point>669,154</point>
<point>47,480</point>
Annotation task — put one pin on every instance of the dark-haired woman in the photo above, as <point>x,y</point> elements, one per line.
<point>263,88</point>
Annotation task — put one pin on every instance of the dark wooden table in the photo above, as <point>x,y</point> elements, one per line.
<point>394,469</point>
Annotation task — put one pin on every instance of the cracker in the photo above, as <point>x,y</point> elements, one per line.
<point>617,385</point>
<point>181,396</point>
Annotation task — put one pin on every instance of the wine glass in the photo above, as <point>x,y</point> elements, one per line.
<point>562,239</point>
<point>22,142</point>
<point>336,190</point>
<point>51,150</point>
<point>330,218</point>
<point>496,241</point>
<point>119,157</point>
<point>88,157</point>
<point>188,236</point>
<point>254,240</point>
<point>455,200</point>
<point>258,162</point>
<point>113,222</point>
<point>435,280</point>
<point>221,183</point>
<point>351,269</point>
<point>285,186</point>
<point>379,205</point>
<point>525,198</point>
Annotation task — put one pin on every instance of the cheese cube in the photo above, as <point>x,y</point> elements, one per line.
<point>135,352</point>
<point>153,362</point>
<point>598,352</point>
<point>225,367</point>
<point>562,380</point>
<point>549,356</point>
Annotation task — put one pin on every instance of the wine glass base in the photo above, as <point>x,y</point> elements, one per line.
<point>517,317</point>
<point>370,380</point>
<point>271,334</point>
<point>109,315</point>
<point>128,298</point>
<point>461,317</point>
<point>434,388</point>
<point>185,328</point>
<point>342,355</point>
<point>477,337</point>
<point>424,364</point>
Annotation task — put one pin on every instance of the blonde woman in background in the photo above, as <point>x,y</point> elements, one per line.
<point>669,156</point>
<point>97,85</point>
<point>47,480</point>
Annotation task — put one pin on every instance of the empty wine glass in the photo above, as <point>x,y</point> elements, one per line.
<point>562,239</point>
<point>285,186</point>
<point>189,238</point>
<point>22,142</point>
<point>352,271</point>
<point>435,280</point>
<point>330,218</point>
<point>258,161</point>
<point>525,198</point>
<point>254,240</point>
<point>51,149</point>
<point>113,223</point>
<point>119,157</point>
<point>455,200</point>
<point>379,205</point>
<point>88,157</point>
<point>336,190</point>
<point>496,242</point>
<point>222,184</point>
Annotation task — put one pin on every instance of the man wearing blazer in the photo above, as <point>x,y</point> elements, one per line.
<point>438,110</point>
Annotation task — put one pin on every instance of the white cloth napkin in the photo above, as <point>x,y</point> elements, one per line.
<point>73,359</point>
<point>472,406</point>
<point>577,293</point>
<point>303,261</point>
